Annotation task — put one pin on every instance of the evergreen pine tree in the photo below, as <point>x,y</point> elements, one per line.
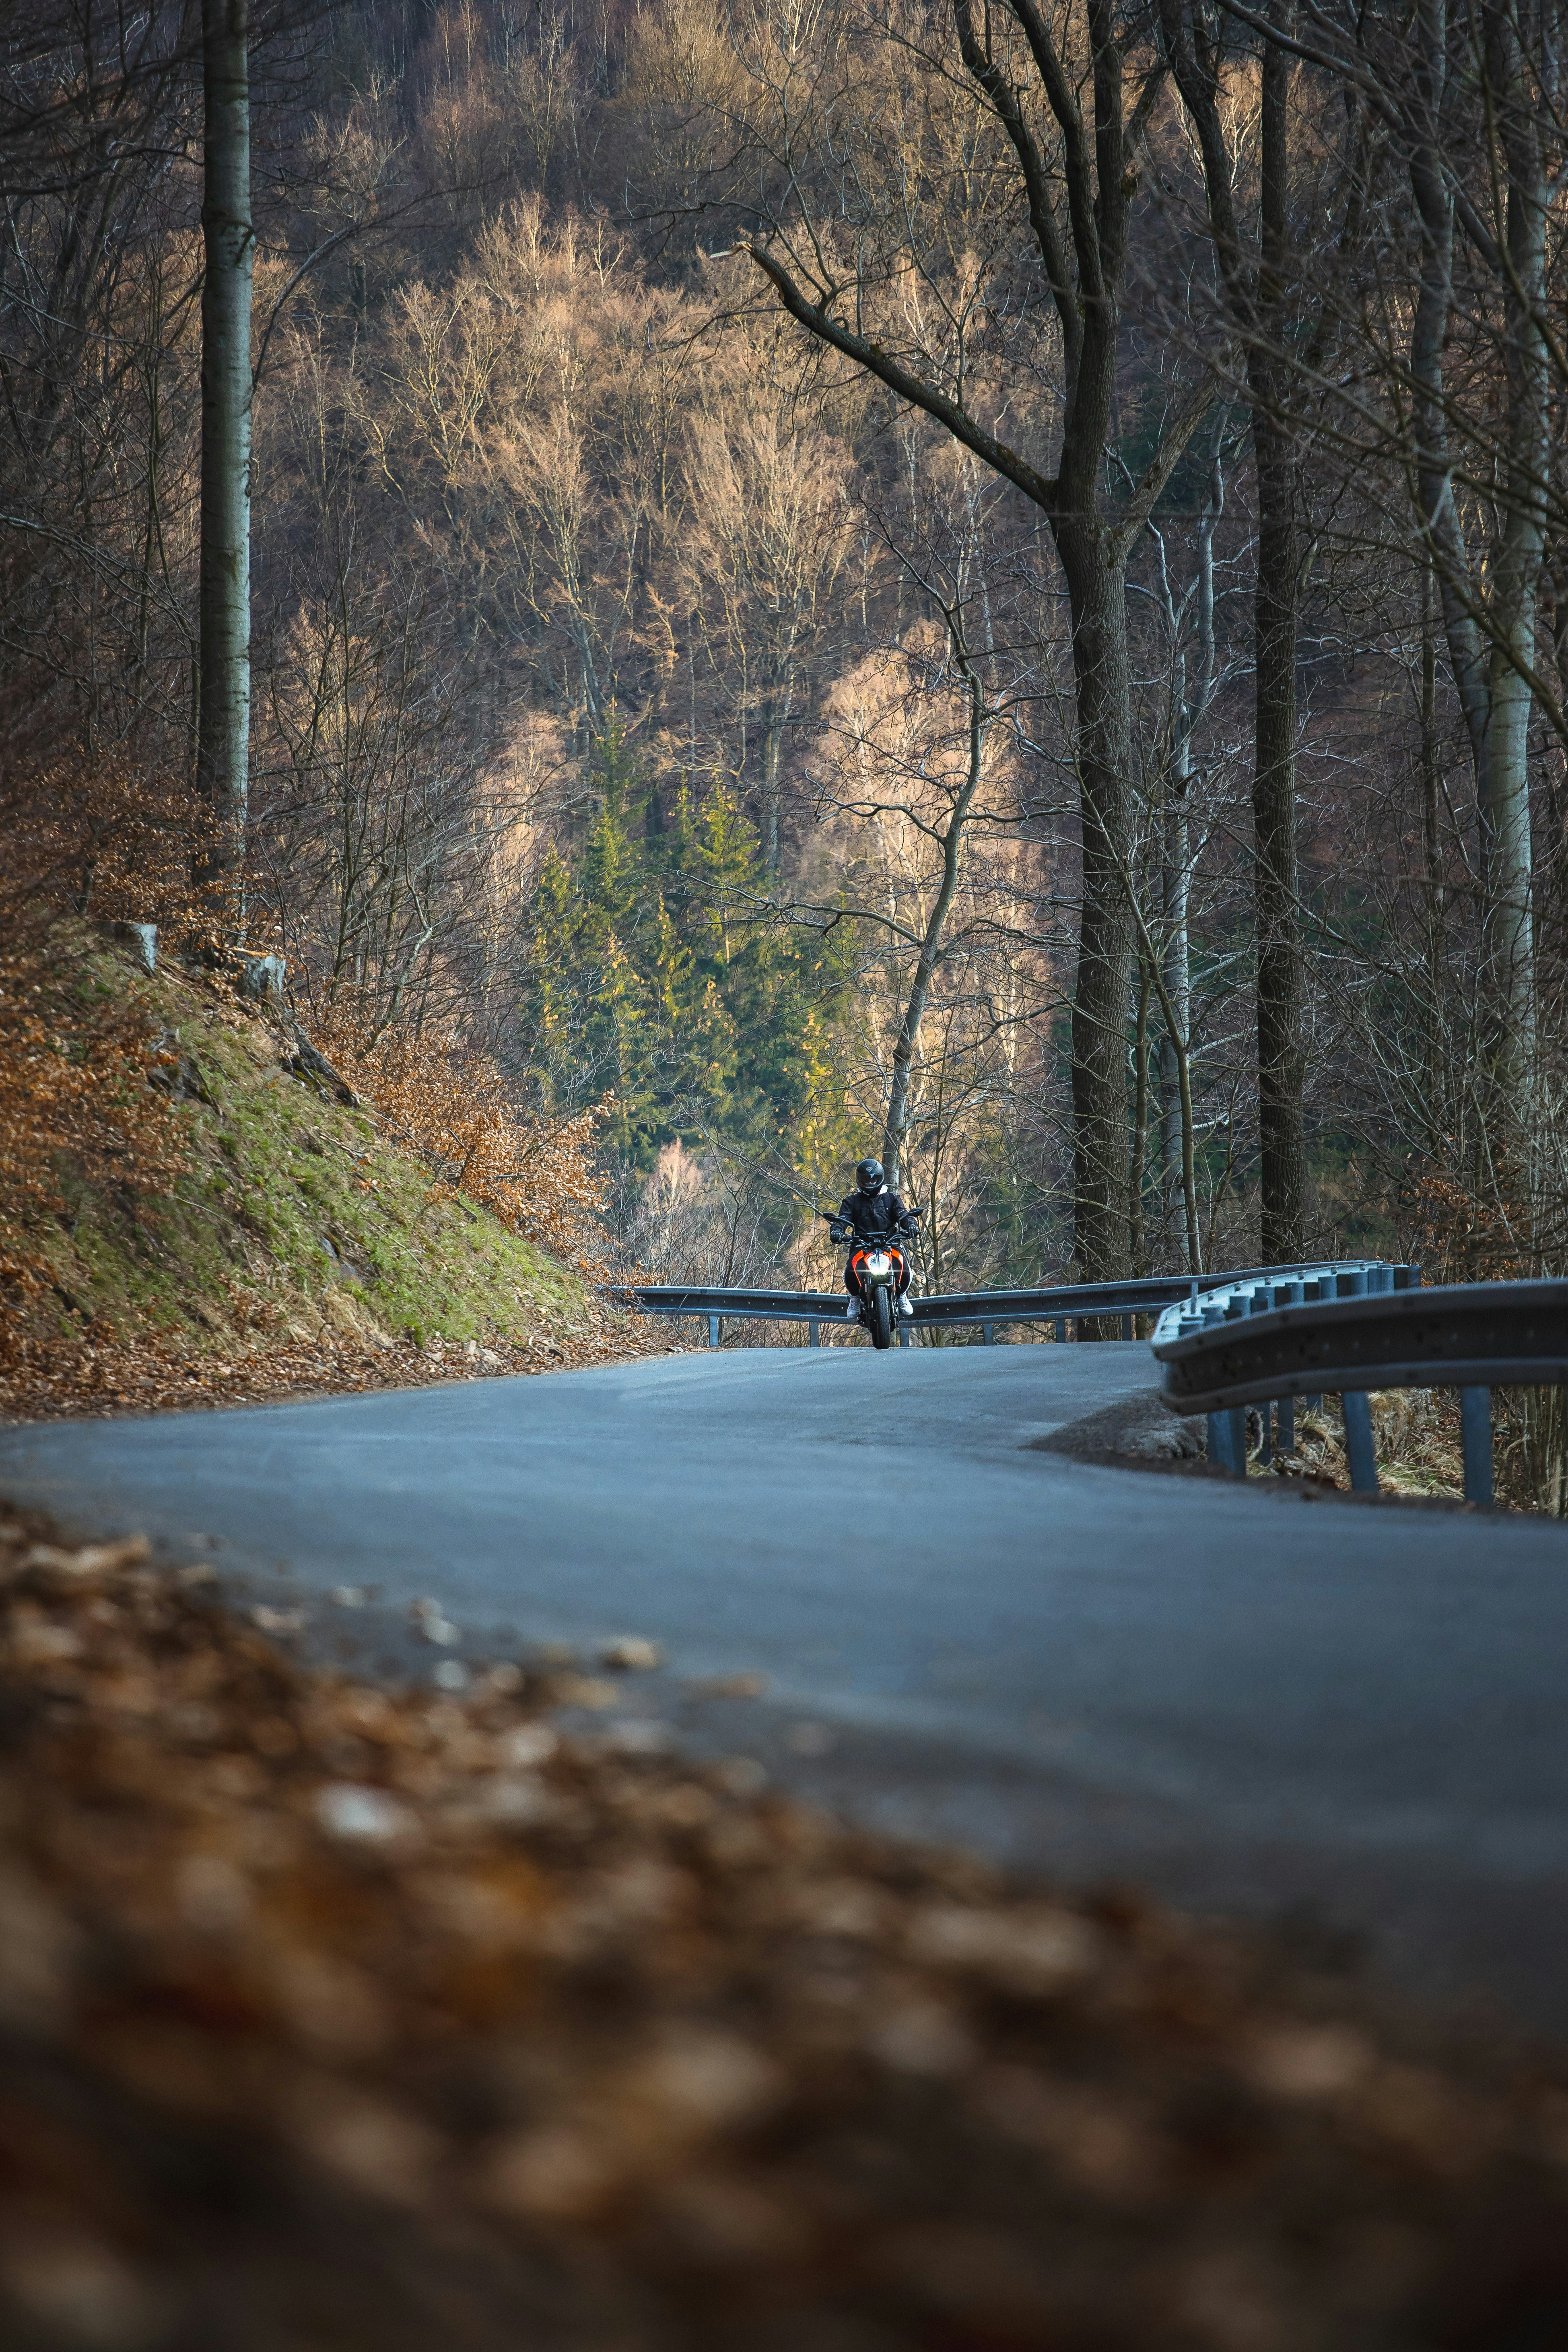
<point>658,973</point>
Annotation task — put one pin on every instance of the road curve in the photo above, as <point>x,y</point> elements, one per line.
<point>1249,1702</point>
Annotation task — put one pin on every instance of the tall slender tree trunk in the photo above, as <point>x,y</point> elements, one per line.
<point>1175,892</point>
<point>896,1127</point>
<point>1281,1043</point>
<point>773,747</point>
<point>223,718</point>
<point>1436,512</point>
<point>1490,683</point>
<point>1095,567</point>
<point>1507,858</point>
<point>1264,298</point>
<point>1277,918</point>
<point>1136,1246</point>
<point>1436,1106</point>
<point>1177,1143</point>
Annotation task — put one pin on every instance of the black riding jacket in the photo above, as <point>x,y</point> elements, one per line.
<point>880,1212</point>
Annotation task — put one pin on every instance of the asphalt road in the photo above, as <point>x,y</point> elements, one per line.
<point>1252,1703</point>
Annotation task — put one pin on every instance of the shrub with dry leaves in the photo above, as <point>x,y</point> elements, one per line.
<point>453,1106</point>
<point>342,2015</point>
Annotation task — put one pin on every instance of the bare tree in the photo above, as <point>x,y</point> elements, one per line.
<point>766,542</point>
<point>1074,176</point>
<point>94,291</point>
<point>1168,959</point>
<point>1471,107</point>
<point>222,724</point>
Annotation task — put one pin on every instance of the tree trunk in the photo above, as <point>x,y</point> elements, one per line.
<point>1276,441</point>
<point>773,746</point>
<point>1177,1143</point>
<point>223,721</point>
<point>1263,299</point>
<point>1136,1249</point>
<point>1436,512</point>
<point>1436,1106</point>
<point>1177,960</point>
<point>1516,579</point>
<point>1097,588</point>
<point>1281,1047</point>
<point>896,1125</point>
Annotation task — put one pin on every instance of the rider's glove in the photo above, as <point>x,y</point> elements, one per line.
<point>837,1233</point>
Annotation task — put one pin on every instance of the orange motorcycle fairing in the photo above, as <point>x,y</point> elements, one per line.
<point>888,1249</point>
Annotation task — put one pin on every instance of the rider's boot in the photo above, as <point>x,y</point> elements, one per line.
<point>852,1312</point>
<point>905,1305</point>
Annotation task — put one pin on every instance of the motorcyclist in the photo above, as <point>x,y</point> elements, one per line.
<point>872,1211</point>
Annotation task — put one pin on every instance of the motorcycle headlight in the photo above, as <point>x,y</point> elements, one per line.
<point>877,1263</point>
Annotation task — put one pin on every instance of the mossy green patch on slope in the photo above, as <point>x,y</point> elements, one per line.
<point>296,1212</point>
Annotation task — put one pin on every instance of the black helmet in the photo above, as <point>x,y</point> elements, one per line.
<point>868,1175</point>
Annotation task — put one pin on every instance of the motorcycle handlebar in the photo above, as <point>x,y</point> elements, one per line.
<point>909,1224</point>
<point>840,1233</point>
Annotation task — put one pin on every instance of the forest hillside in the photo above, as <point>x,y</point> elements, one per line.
<point>805,584</point>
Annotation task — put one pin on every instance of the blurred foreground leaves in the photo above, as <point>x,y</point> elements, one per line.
<point>339,2017</point>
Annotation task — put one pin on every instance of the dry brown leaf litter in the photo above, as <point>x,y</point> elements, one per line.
<point>156,1374</point>
<point>338,2017</point>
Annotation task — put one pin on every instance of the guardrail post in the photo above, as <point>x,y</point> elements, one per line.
<point>1265,1426</point>
<point>712,1331</point>
<point>1285,1434</point>
<point>1476,1435</point>
<point>1127,1326</point>
<point>1359,1447</point>
<point>1227,1441</point>
<point>813,1332</point>
<point>985,1335</point>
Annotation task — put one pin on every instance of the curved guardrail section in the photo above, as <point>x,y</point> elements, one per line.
<point>1075,1302</point>
<point>1250,1345</point>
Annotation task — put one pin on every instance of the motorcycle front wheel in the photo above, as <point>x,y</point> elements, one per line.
<point>881,1317</point>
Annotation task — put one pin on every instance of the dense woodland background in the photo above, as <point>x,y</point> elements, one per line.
<point>992,587</point>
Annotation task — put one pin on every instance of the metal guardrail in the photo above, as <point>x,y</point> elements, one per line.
<point>809,1306</point>
<point>1082,1302</point>
<point>756,1306</point>
<point>1060,1303</point>
<point>1251,1345</point>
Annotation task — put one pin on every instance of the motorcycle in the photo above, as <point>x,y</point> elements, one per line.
<point>877,1273</point>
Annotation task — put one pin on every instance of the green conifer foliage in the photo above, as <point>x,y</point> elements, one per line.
<point>657,974</point>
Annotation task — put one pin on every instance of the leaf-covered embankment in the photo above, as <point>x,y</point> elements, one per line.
<point>231,1228</point>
